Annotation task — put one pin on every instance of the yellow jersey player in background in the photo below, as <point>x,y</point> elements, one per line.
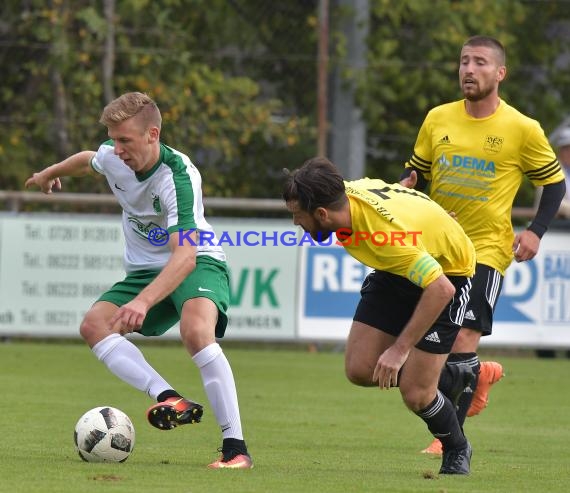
<point>412,305</point>
<point>474,154</point>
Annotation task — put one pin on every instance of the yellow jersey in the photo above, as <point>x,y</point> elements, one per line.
<point>404,232</point>
<point>476,166</point>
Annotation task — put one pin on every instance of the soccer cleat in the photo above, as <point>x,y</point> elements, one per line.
<point>174,411</point>
<point>457,461</point>
<point>231,461</point>
<point>490,373</point>
<point>463,377</point>
<point>434,448</point>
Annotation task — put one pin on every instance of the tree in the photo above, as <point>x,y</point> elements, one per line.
<point>414,51</point>
<point>58,76</point>
<point>236,79</point>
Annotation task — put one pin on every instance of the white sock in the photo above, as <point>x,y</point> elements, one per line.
<point>126,361</point>
<point>220,387</point>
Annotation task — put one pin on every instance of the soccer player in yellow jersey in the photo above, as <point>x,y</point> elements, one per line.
<point>474,154</point>
<point>412,305</point>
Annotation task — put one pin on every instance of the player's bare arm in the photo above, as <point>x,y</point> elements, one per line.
<point>49,178</point>
<point>182,262</point>
<point>434,299</point>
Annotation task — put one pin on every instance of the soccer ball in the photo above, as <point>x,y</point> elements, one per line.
<point>104,434</point>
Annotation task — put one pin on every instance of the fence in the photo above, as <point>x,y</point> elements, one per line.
<point>14,201</point>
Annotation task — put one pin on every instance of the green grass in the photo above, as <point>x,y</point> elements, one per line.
<point>307,428</point>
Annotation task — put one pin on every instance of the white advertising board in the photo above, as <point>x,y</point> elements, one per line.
<point>52,268</point>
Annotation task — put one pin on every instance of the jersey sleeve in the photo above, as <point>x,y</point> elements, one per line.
<point>538,160</point>
<point>411,262</point>
<point>422,156</point>
<point>98,160</point>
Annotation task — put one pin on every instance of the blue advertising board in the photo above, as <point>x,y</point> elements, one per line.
<point>533,309</point>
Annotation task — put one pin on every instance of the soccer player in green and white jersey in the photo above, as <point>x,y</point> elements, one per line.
<point>171,277</point>
<point>474,154</point>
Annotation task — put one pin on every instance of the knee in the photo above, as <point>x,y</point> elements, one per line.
<point>357,376</point>
<point>415,398</point>
<point>89,329</point>
<point>195,339</point>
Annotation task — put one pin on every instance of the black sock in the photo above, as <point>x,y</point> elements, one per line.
<point>472,360</point>
<point>167,394</point>
<point>442,422</point>
<point>232,447</point>
<point>445,380</point>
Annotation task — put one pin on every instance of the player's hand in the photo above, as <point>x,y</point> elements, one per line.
<point>452,214</point>
<point>410,181</point>
<point>388,366</point>
<point>525,246</point>
<point>45,184</point>
<point>128,318</point>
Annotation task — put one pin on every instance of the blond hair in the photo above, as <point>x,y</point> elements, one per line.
<point>129,105</point>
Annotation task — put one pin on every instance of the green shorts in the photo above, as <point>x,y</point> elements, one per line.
<point>209,279</point>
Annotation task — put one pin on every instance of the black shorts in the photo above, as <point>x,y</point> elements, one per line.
<point>387,302</point>
<point>487,284</point>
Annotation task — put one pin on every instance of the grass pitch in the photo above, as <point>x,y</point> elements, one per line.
<point>307,428</point>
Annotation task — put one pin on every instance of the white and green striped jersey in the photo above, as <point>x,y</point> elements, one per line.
<point>167,197</point>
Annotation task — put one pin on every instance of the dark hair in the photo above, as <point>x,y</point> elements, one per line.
<point>317,183</point>
<point>489,42</point>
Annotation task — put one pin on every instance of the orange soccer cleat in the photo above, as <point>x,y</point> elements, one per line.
<point>239,461</point>
<point>434,448</point>
<point>491,372</point>
<point>174,411</point>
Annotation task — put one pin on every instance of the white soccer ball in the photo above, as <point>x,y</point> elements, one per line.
<point>104,434</point>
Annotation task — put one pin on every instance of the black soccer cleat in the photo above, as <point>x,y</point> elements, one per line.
<point>173,412</point>
<point>457,461</point>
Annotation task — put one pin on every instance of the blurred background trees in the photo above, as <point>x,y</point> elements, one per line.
<point>237,79</point>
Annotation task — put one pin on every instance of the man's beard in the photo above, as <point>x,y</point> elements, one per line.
<point>478,96</point>
<point>320,236</point>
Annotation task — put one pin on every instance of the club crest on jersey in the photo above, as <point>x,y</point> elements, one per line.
<point>493,144</point>
<point>156,203</point>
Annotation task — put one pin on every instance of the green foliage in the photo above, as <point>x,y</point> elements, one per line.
<point>217,116</point>
<point>413,59</point>
<point>236,79</point>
